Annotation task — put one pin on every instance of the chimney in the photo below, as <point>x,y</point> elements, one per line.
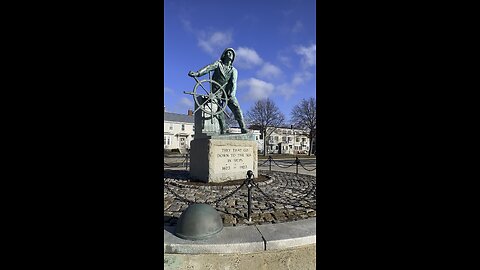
<point>190,112</point>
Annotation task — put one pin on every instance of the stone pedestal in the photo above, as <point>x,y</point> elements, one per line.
<point>223,158</point>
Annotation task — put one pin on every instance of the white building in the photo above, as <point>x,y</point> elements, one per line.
<point>178,131</point>
<point>285,140</point>
<point>255,132</point>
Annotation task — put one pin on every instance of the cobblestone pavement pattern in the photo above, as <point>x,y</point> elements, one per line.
<point>290,197</point>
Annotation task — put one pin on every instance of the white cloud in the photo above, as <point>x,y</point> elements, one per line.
<point>215,42</point>
<point>286,90</point>
<point>301,77</point>
<point>309,55</point>
<point>187,25</point>
<point>258,89</point>
<point>247,58</point>
<point>269,71</point>
<point>297,27</point>
<point>187,102</point>
<point>285,60</point>
<point>167,90</point>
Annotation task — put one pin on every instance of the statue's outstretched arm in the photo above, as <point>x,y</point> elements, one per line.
<point>206,69</point>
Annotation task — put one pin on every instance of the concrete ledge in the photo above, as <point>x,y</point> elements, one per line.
<point>245,239</point>
<point>242,239</point>
<point>289,234</point>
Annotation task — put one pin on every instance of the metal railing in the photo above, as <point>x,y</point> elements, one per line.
<point>185,162</point>
<point>297,162</point>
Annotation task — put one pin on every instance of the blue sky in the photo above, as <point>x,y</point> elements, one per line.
<point>274,40</point>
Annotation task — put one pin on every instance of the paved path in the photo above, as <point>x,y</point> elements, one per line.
<point>284,197</point>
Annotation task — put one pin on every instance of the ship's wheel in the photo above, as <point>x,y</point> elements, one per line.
<point>216,95</point>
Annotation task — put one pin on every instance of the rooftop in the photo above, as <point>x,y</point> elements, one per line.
<point>176,117</point>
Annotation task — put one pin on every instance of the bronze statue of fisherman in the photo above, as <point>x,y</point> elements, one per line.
<point>225,74</point>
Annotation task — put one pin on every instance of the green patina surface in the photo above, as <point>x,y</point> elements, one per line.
<point>224,74</point>
<point>241,137</point>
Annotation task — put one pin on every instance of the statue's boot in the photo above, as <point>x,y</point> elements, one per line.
<point>221,123</point>
<point>241,123</point>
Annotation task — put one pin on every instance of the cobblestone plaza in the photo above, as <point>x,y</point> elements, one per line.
<point>279,197</point>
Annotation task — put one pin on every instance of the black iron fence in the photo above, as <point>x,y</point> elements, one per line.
<point>281,164</point>
<point>297,162</point>
<point>175,164</point>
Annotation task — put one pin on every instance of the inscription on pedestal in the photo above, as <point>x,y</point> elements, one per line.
<point>233,159</point>
<point>214,160</point>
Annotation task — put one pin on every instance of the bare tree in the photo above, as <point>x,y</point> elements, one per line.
<point>267,116</point>
<point>304,115</point>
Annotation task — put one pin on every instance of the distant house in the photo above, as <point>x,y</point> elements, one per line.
<point>285,140</point>
<point>255,132</point>
<point>178,131</point>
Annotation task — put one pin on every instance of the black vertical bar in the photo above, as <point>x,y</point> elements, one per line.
<point>186,161</point>
<point>249,202</point>
<point>297,161</point>
<point>270,166</point>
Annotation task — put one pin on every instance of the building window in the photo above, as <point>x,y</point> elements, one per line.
<point>171,126</point>
<point>183,127</point>
<point>256,138</point>
<point>297,139</point>
<point>164,140</point>
<point>276,138</point>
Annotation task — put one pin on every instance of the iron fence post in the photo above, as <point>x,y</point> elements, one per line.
<point>270,161</point>
<point>249,181</point>
<point>297,161</point>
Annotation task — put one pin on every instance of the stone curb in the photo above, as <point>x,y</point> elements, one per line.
<point>186,184</point>
<point>245,239</point>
